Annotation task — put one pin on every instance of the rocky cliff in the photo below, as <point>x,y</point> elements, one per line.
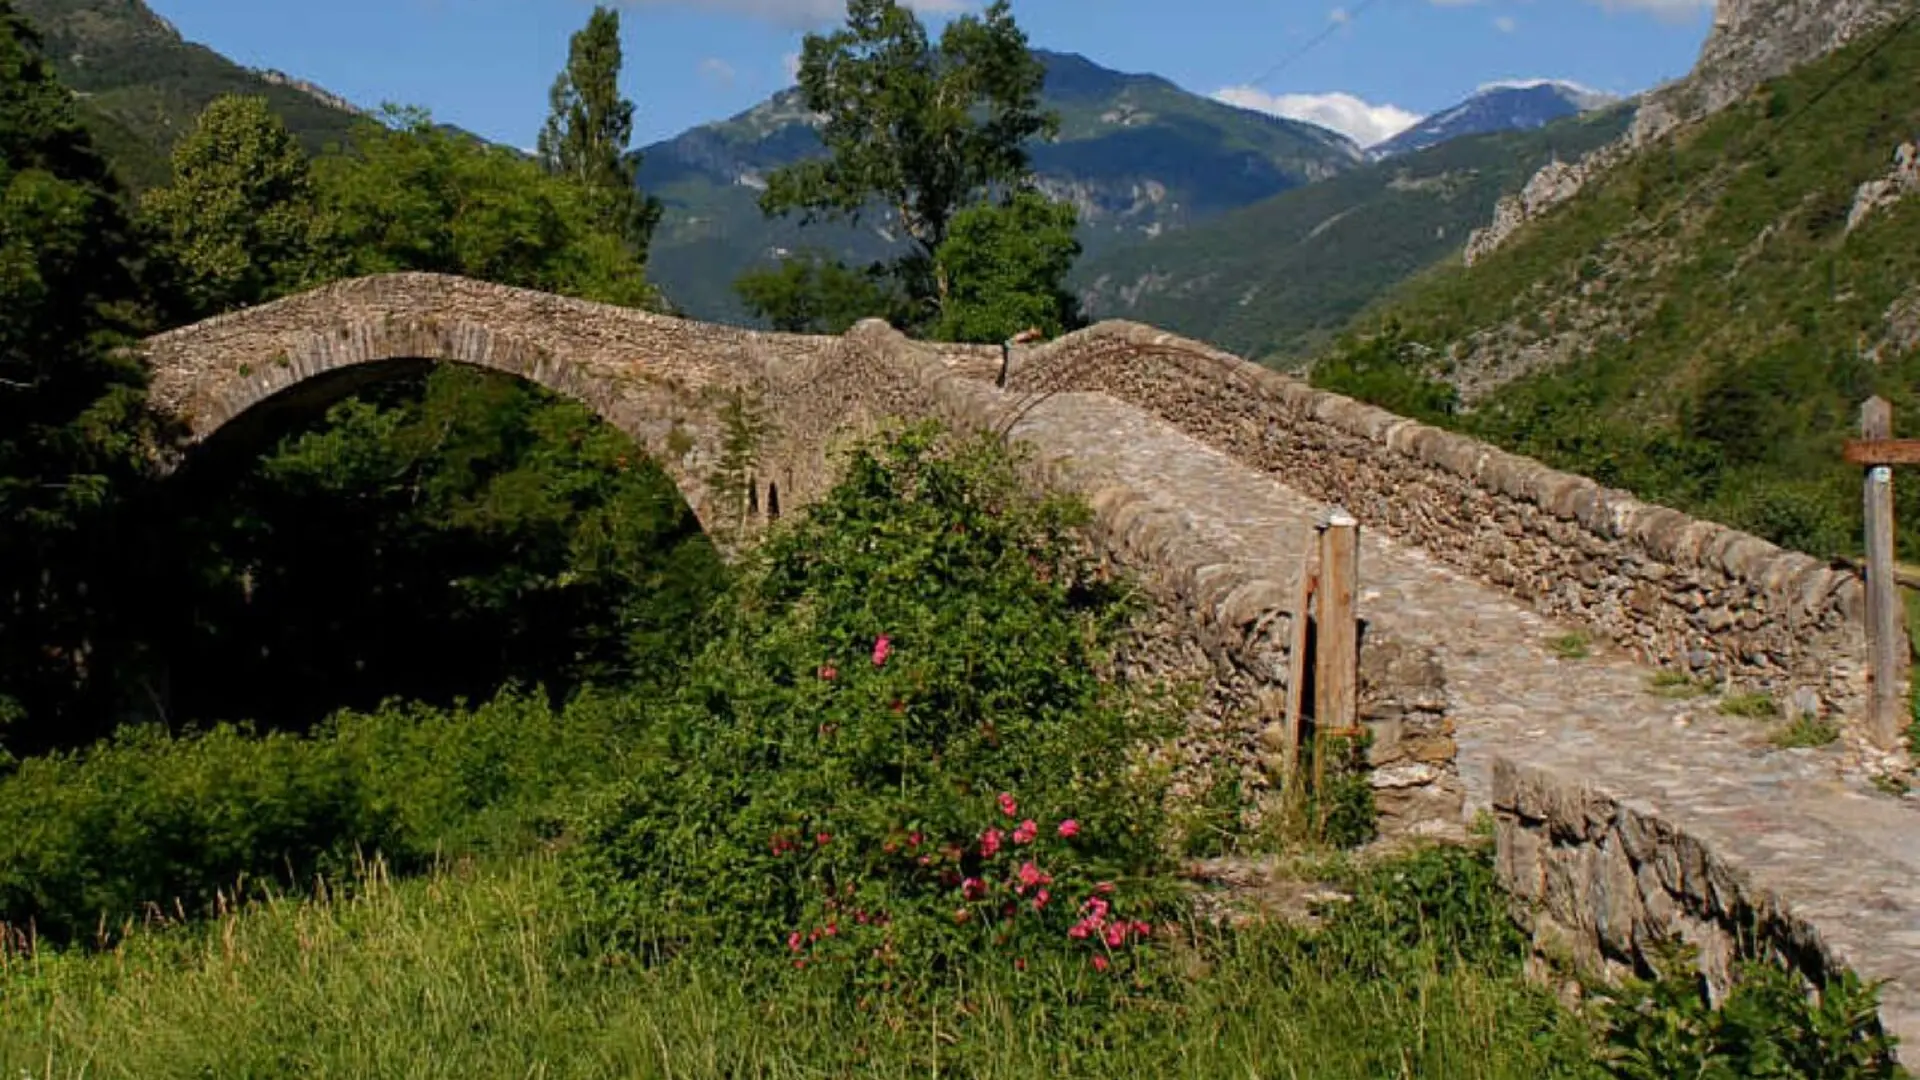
<point>1752,41</point>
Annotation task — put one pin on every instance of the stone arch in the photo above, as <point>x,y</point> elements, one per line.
<point>658,379</point>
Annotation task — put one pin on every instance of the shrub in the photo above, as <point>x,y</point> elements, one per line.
<point>91,838</point>
<point>1769,1025</point>
<point>145,818</point>
<point>898,747</point>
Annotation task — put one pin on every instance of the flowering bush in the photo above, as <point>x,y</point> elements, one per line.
<point>896,749</point>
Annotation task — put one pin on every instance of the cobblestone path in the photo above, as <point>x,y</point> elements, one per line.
<point>1796,823</point>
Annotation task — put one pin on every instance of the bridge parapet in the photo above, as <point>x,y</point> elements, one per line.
<point>1683,593</point>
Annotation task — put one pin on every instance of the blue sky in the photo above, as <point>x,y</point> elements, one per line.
<point>486,64</point>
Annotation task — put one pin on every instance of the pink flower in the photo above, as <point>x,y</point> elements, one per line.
<point>1116,935</point>
<point>1069,828</point>
<point>916,839</point>
<point>832,929</point>
<point>1142,929</point>
<point>973,888</point>
<point>1026,832</point>
<point>823,839</point>
<point>1105,888</point>
<point>1040,899</point>
<point>1099,963</point>
<point>1030,875</point>
<point>827,672</point>
<point>793,941</point>
<point>1007,805</point>
<point>990,842</point>
<point>1098,909</point>
<point>881,648</point>
<point>1079,930</point>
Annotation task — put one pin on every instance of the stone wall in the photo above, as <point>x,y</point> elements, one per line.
<point>1600,883</point>
<point>1214,622</point>
<point>1678,592</point>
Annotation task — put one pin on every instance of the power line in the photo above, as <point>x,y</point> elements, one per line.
<point>1312,43</point>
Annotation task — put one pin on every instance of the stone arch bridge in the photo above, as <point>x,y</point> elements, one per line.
<point>1624,810</point>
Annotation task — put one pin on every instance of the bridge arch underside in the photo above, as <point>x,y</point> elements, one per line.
<point>245,399</point>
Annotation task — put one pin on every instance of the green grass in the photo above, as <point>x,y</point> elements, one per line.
<point>473,972</point>
<point>1753,706</point>
<point>1678,684</point>
<point>1573,646</point>
<point>1806,732</point>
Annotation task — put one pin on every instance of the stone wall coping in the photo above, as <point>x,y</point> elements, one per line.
<point>1798,580</point>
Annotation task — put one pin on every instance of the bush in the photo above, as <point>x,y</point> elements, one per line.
<point>147,820</point>
<point>898,747</point>
<point>1768,1026</point>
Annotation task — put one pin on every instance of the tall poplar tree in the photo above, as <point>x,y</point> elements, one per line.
<point>587,131</point>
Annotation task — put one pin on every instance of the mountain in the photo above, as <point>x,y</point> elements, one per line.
<point>1512,106</point>
<point>1276,280</point>
<point>142,85</point>
<point>1137,155</point>
<point>1699,321</point>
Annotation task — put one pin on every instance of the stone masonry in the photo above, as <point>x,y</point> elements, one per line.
<point>1680,593</point>
<point>1622,815</point>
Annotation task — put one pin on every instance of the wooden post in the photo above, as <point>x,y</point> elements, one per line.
<point>1297,661</point>
<point>1337,631</point>
<point>1886,639</point>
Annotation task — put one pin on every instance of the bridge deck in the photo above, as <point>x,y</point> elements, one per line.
<point>1798,824</point>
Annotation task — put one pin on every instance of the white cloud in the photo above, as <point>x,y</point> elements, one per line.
<point>716,71</point>
<point>1358,120</point>
<point>795,12</point>
<point>1506,24</point>
<point>1669,10</point>
<point>1339,16</point>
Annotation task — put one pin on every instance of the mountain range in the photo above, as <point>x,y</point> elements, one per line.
<point>1259,232</point>
<point>1136,155</point>
<point>1509,106</point>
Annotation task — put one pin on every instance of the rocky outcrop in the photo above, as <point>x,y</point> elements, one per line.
<point>1752,41</point>
<point>1902,180</point>
<point>1551,186</point>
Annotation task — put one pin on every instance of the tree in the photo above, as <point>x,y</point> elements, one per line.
<point>1008,265</point>
<point>811,294</point>
<point>586,135</point>
<point>407,195</point>
<point>69,403</point>
<point>234,226</point>
<point>926,131</point>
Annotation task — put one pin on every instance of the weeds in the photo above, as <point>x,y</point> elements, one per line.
<point>1752,706</point>
<point>1805,732</point>
<point>1574,646</point>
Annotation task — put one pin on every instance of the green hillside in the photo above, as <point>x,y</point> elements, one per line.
<point>1277,279</point>
<point>1136,154</point>
<point>1700,324</point>
<point>143,85</point>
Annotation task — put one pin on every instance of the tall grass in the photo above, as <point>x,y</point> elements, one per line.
<point>474,971</point>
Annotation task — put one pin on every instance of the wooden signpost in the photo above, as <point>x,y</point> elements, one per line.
<point>1879,451</point>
